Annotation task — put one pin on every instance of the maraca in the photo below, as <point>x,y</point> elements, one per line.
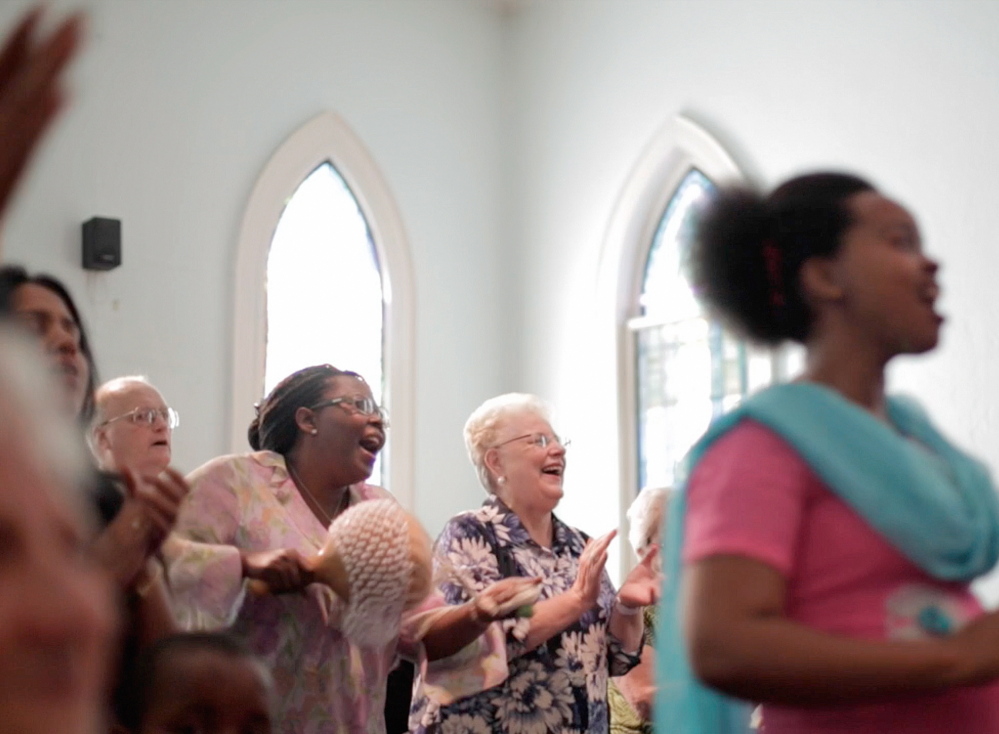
<point>377,559</point>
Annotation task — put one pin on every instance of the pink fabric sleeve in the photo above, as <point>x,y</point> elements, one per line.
<point>203,564</point>
<point>484,662</point>
<point>479,665</point>
<point>746,498</point>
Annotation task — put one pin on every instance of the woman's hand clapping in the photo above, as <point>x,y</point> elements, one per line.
<point>591,569</point>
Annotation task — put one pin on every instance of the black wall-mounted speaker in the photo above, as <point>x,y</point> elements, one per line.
<point>101,243</point>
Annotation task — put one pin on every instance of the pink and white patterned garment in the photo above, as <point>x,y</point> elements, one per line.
<point>325,683</point>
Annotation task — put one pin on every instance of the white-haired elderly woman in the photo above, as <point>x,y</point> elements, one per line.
<point>551,673</point>
<point>630,697</point>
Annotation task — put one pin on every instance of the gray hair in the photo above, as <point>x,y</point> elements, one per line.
<point>485,422</point>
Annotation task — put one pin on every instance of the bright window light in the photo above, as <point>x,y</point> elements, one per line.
<point>688,369</point>
<point>324,287</point>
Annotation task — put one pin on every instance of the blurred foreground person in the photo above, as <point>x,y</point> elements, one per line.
<point>199,682</point>
<point>829,532</point>
<point>57,618</point>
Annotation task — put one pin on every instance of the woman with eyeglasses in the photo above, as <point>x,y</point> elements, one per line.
<point>257,516</point>
<point>550,673</point>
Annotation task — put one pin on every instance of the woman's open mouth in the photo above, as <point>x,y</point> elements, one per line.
<point>373,442</point>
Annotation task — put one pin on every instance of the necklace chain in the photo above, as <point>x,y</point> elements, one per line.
<point>298,481</point>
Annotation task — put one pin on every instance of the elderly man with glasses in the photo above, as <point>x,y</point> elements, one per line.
<point>131,439</point>
<point>132,427</point>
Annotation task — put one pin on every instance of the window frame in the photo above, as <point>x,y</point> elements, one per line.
<point>680,145</point>
<point>327,138</point>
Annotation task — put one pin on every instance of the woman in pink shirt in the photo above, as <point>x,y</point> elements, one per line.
<point>829,532</point>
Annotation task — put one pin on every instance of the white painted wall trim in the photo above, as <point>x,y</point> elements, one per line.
<point>327,137</point>
<point>680,145</point>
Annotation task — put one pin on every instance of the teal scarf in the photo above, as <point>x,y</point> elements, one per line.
<point>936,504</point>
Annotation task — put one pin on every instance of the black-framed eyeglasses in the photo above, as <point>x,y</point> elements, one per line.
<point>147,417</point>
<point>541,440</point>
<point>358,404</point>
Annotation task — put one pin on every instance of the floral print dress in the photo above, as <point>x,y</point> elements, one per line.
<point>325,684</point>
<point>560,686</point>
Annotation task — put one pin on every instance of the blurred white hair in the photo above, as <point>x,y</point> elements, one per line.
<point>485,422</point>
<point>645,519</point>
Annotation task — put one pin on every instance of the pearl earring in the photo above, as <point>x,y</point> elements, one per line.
<point>501,480</point>
<point>314,431</point>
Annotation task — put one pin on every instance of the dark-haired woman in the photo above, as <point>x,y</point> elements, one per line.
<point>43,304</point>
<point>257,515</point>
<point>829,532</point>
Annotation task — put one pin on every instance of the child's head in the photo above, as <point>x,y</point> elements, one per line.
<point>198,683</point>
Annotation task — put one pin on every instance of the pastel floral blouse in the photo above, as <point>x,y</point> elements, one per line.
<point>560,686</point>
<point>324,683</point>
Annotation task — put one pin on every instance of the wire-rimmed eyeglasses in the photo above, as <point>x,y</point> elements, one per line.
<point>541,440</point>
<point>359,404</point>
<point>147,417</point>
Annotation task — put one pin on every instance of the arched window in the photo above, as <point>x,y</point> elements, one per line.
<point>688,368</point>
<point>323,275</point>
<point>675,368</point>
<point>324,286</point>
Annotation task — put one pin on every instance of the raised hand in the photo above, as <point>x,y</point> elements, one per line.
<point>642,586</point>
<point>591,568</point>
<point>31,94</point>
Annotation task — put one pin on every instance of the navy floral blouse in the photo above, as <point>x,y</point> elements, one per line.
<point>560,686</point>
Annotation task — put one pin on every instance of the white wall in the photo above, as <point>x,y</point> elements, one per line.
<point>177,106</point>
<point>506,140</point>
<point>901,91</point>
